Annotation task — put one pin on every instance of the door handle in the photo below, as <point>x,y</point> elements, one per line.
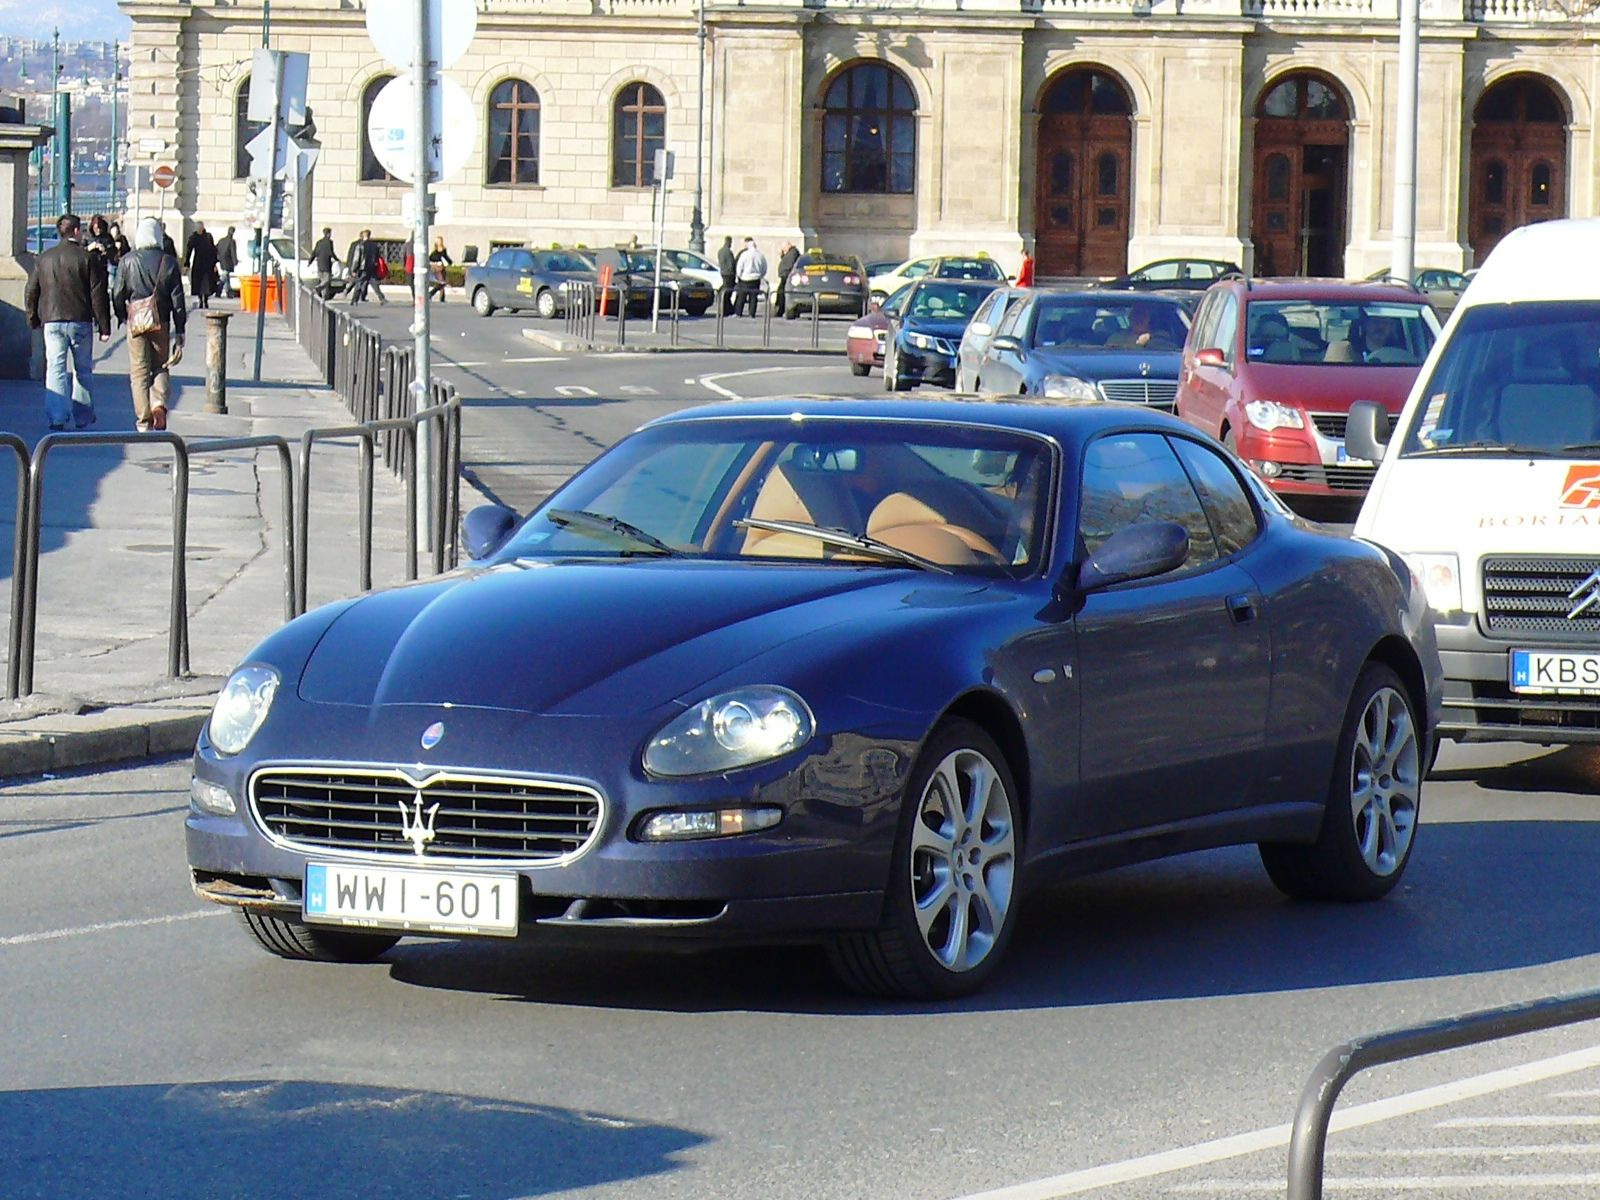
<point>1241,608</point>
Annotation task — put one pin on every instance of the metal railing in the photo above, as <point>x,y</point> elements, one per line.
<point>1309,1137</point>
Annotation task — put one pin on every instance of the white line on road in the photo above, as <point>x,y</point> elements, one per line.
<point>52,935</point>
<point>1075,1183</point>
<point>1400,1183</point>
<point>708,381</point>
<point>1533,1121</point>
<point>1542,1150</point>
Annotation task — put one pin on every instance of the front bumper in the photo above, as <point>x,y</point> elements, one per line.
<point>1301,462</point>
<point>1479,705</point>
<point>927,366</point>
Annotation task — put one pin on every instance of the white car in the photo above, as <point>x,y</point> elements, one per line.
<point>281,251</point>
<point>696,266</point>
<point>948,266</point>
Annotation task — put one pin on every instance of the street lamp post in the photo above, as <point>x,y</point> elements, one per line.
<point>697,224</point>
<point>116,86</point>
<point>1403,250</point>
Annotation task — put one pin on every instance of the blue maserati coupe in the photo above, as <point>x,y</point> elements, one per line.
<point>852,672</point>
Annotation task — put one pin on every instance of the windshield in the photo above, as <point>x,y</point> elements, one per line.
<point>973,500</point>
<point>1514,378</point>
<point>1379,334</point>
<point>948,301</point>
<point>1073,323</point>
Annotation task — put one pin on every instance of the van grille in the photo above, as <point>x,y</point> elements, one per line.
<point>1330,425</point>
<point>1528,594</point>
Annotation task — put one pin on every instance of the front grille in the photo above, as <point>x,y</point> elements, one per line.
<point>1492,704</point>
<point>1330,425</point>
<point>369,810</point>
<point>1527,594</point>
<point>1159,393</point>
<point>1340,478</point>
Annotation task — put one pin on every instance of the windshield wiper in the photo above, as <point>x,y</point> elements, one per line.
<point>1581,448</point>
<point>1483,447</point>
<point>604,526</point>
<point>847,541</point>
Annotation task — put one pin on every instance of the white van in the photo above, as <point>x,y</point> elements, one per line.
<point>1490,488</point>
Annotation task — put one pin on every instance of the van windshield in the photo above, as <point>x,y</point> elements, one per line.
<point>1514,380</point>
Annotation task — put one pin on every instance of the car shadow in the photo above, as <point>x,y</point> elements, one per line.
<point>202,1140</point>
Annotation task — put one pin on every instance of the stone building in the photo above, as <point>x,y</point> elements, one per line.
<point>1098,133</point>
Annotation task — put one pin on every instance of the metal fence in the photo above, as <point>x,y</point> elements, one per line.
<point>583,310</point>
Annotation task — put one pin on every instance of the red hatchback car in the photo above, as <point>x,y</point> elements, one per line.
<point>1271,368</point>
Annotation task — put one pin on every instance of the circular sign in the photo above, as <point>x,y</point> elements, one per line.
<point>392,25</point>
<point>393,117</point>
<point>163,176</point>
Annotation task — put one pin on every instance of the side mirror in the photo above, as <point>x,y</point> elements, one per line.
<point>1138,552</point>
<point>1210,357</point>
<point>981,328</point>
<point>1366,435</point>
<point>1006,343</point>
<point>485,529</point>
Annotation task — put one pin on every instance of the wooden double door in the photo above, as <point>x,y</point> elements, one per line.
<point>1298,216</point>
<point>1083,189</point>
<point>1518,177</point>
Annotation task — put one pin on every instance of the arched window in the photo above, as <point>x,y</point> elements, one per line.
<point>869,131</point>
<point>372,171</point>
<point>1304,97</point>
<point>243,130</point>
<point>513,151</point>
<point>638,130</point>
<point>1086,92</point>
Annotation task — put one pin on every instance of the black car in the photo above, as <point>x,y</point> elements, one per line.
<point>850,671</point>
<point>1174,274</point>
<point>925,331</point>
<point>636,270</point>
<point>835,283</point>
<point>1089,345</point>
<point>519,279</point>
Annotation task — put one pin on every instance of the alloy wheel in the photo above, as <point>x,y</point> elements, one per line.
<point>1385,781</point>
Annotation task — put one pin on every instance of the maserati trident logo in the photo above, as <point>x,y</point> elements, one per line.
<point>416,825</point>
<point>1587,594</point>
<point>432,735</point>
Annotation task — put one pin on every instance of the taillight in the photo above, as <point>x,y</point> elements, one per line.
<point>797,280</point>
<point>852,280</point>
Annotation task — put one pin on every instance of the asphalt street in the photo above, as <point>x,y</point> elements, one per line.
<point>1148,1036</point>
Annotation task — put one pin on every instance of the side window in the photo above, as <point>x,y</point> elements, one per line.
<point>918,269</point>
<point>1205,320</point>
<point>988,310</point>
<point>1225,336</point>
<point>499,260</point>
<point>1015,320</point>
<point>1233,518</point>
<point>522,260</point>
<point>1134,478</point>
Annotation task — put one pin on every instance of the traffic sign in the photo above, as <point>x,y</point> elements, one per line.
<point>392,25</point>
<point>393,117</point>
<point>164,176</point>
<point>294,159</point>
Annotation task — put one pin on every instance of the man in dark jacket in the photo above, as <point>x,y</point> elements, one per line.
<point>787,262</point>
<point>727,264</point>
<point>363,267</point>
<point>150,271</point>
<point>227,263</point>
<point>200,257</point>
<point>64,296</point>
<point>322,257</point>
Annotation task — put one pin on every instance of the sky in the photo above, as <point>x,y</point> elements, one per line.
<point>78,20</point>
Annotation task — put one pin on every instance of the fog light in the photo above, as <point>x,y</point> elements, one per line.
<point>211,797</point>
<point>1269,470</point>
<point>707,823</point>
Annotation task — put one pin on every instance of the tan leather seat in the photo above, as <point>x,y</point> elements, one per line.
<point>909,523</point>
<point>1339,352</point>
<point>811,497</point>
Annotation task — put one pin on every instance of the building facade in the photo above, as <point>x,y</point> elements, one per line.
<point>1097,133</point>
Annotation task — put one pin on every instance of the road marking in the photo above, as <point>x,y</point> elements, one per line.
<point>1165,1162</point>
<point>1401,1183</point>
<point>543,358</point>
<point>1536,1121</point>
<point>1539,1151</point>
<point>637,389</point>
<point>575,389</point>
<point>708,381</point>
<point>52,935</point>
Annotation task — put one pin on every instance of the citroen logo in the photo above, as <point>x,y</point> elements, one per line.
<point>416,825</point>
<point>1589,589</point>
<point>432,735</point>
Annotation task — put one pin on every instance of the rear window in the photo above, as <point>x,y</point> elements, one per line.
<point>969,268</point>
<point>1376,334</point>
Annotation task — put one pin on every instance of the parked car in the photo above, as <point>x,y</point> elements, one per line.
<point>902,661</point>
<point>882,266</point>
<point>637,269</point>
<point>920,345</point>
<point>520,280</point>
<point>1271,368</point>
<point>1174,274</point>
<point>979,266</point>
<point>1443,287</point>
<point>280,250</point>
<point>1088,345</point>
<point>836,283</point>
<point>687,262</point>
<point>981,331</point>
<point>1490,489</point>
<point>863,344</point>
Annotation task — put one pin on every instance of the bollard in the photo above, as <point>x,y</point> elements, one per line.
<point>216,361</point>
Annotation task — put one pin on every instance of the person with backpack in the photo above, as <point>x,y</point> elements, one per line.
<point>147,296</point>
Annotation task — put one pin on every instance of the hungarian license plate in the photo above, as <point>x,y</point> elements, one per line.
<point>375,897</point>
<point>1556,673</point>
<point>830,295</point>
<point>1342,456</point>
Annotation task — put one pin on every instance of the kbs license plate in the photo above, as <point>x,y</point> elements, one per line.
<point>423,901</point>
<point>1552,673</point>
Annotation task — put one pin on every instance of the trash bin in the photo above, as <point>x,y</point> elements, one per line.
<point>250,293</point>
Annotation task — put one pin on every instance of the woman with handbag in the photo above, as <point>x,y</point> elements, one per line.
<point>147,297</point>
<point>438,259</point>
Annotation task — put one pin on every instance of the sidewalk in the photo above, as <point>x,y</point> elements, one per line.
<point>101,689</point>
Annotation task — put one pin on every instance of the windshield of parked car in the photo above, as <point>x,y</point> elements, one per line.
<point>1514,379</point>
<point>968,268</point>
<point>1084,323</point>
<point>947,301</point>
<point>973,499</point>
<point>1372,334</point>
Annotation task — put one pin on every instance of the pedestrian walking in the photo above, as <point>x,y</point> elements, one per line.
<point>101,249</point>
<point>120,242</point>
<point>787,261</point>
<point>362,263</point>
<point>1025,272</point>
<point>727,264</point>
<point>147,295</point>
<point>66,298</point>
<point>322,257</point>
<point>200,260</point>
<point>227,262</point>
<point>751,272</point>
<point>438,260</point>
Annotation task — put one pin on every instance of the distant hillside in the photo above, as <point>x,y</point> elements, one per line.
<point>97,19</point>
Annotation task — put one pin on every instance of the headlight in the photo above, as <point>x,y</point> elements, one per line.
<point>1268,415</point>
<point>920,340</point>
<point>736,729</point>
<point>241,706</point>
<point>1069,387</point>
<point>1440,578</point>
<point>860,331</point>
<point>563,285</point>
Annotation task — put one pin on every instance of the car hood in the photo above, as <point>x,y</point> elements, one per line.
<point>584,638</point>
<point>1330,387</point>
<point>1095,365</point>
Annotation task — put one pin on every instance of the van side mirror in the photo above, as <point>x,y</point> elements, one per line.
<point>1140,551</point>
<point>1366,435</point>
<point>485,529</point>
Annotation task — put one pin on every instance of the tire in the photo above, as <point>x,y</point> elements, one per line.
<point>697,310</point>
<point>293,939</point>
<point>481,304</point>
<point>860,369</point>
<point>1374,799</point>
<point>545,304</point>
<point>892,381</point>
<point>945,924</point>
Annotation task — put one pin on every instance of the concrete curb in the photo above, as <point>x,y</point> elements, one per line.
<point>72,742</point>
